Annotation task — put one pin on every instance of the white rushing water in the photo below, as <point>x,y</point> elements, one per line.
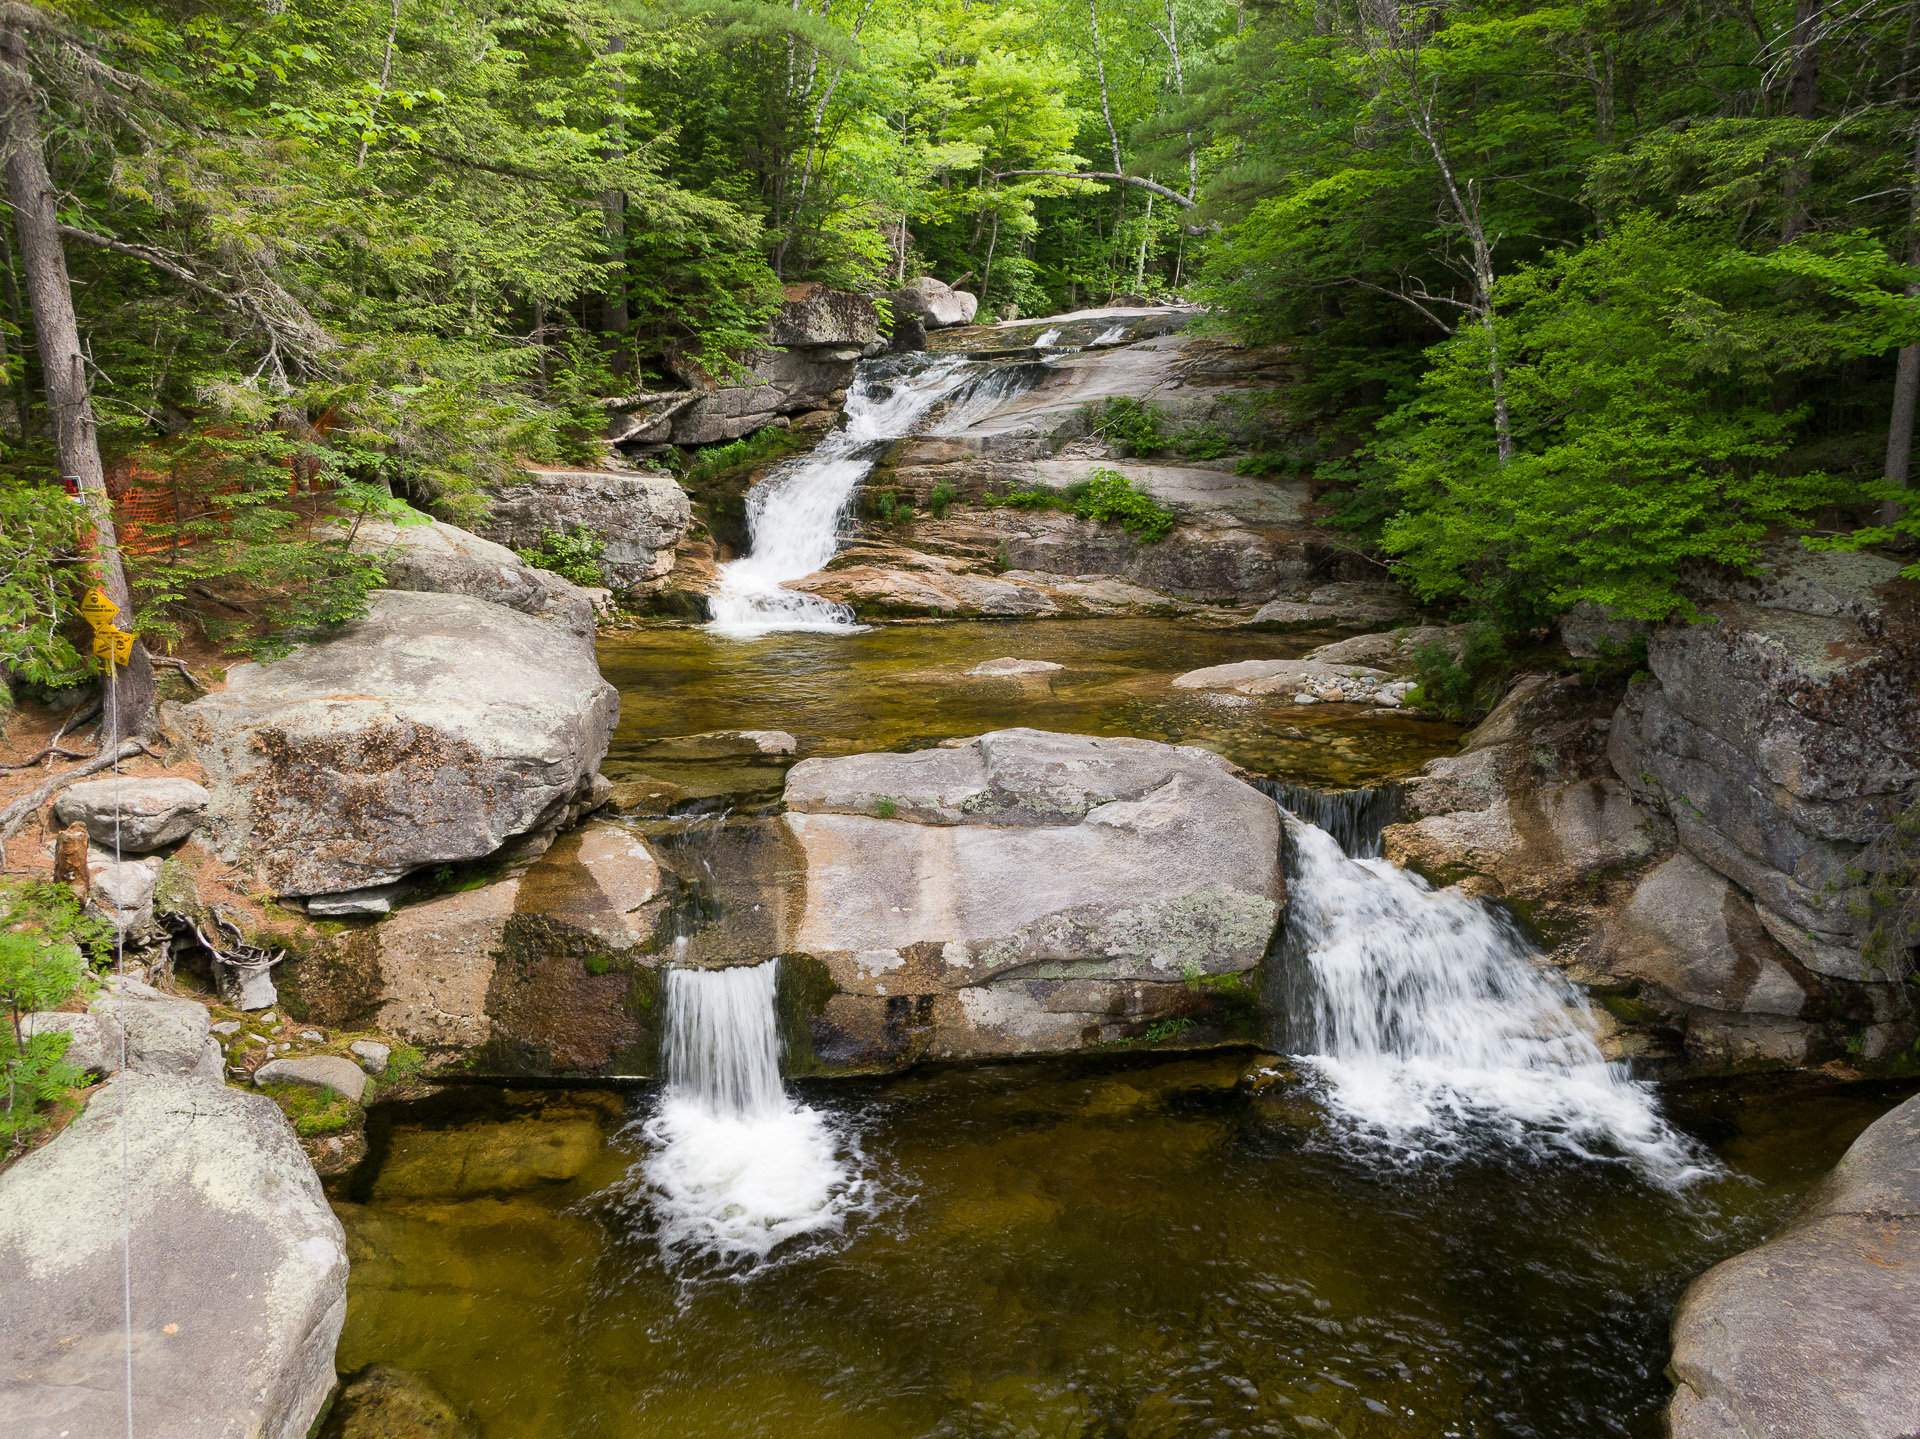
<point>793,518</point>
<point>1432,1028</point>
<point>737,1167</point>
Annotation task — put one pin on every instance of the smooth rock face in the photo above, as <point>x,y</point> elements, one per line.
<point>121,891</point>
<point>936,304</point>
<point>1286,677</point>
<point>723,744</point>
<point>439,558</point>
<point>239,1271</point>
<point>1780,737</point>
<point>1816,1333</point>
<point>924,585</point>
<point>1012,666</point>
<point>430,730</point>
<point>349,903</point>
<point>1025,892</point>
<point>320,1071</point>
<point>502,972</point>
<point>164,1035</point>
<point>138,814</point>
<point>640,517</point>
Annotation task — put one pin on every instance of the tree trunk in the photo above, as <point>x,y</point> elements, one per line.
<point>1906,376</point>
<point>1803,101</point>
<point>63,367</point>
<point>613,211</point>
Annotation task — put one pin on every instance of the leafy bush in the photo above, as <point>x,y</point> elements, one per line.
<point>573,557</point>
<point>752,449</point>
<point>1203,442</point>
<point>890,508</point>
<point>1033,499</point>
<point>1133,427</point>
<point>39,967</point>
<point>941,499</point>
<point>1466,687</point>
<point>1110,495</point>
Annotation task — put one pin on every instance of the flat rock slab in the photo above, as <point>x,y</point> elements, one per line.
<point>320,1071</point>
<point>1191,490</point>
<point>429,730</point>
<point>1024,892</point>
<point>1283,677</point>
<point>238,1278</point>
<point>1816,1333</point>
<point>137,814</point>
<point>1012,666</point>
<point>723,744</point>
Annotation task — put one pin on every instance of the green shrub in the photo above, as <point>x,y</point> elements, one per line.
<point>1110,495</point>
<point>1466,687</point>
<point>1203,442</point>
<point>573,556</point>
<point>39,968</point>
<point>1033,499</point>
<point>941,499</point>
<point>890,508</point>
<point>1132,427</point>
<point>750,449</point>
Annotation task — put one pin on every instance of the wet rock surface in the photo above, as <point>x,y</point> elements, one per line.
<point>1817,1332</point>
<point>1024,892</point>
<point>430,730</point>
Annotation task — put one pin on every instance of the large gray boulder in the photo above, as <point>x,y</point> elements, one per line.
<point>137,813</point>
<point>429,730</point>
<point>815,315</point>
<point>935,303</point>
<point>437,558</point>
<point>1817,1332</point>
<point>120,891</point>
<point>639,516</point>
<point>1024,892</point>
<point>164,1035</point>
<point>1781,734</point>
<point>238,1278</point>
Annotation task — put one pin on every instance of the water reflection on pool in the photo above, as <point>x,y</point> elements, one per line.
<point>1068,1249</point>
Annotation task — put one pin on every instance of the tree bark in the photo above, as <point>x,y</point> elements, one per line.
<point>63,367</point>
<point>1906,375</point>
<point>613,210</point>
<point>1803,101</point>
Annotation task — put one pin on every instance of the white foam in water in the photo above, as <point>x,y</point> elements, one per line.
<point>738,1168</point>
<point>1046,339</point>
<point>1432,1027</point>
<point>793,519</point>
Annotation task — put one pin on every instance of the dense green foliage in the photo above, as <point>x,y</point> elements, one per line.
<point>1581,294</point>
<point>574,557</point>
<point>41,965</point>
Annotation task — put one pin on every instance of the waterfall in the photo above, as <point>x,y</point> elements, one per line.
<point>793,518</point>
<point>737,1167</point>
<point>1354,817</point>
<point>1424,1014</point>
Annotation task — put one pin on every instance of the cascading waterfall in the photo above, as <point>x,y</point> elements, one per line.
<point>1423,1012</point>
<point>737,1167</point>
<point>793,518</point>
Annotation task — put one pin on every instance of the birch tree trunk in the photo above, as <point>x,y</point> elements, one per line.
<point>63,366</point>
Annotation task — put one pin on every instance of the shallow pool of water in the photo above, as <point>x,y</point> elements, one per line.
<point>1067,1249</point>
<point>905,686</point>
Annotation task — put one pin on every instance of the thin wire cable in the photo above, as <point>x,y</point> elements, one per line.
<point>112,729</point>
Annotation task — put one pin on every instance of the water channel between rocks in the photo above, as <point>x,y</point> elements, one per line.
<point>1113,1244</point>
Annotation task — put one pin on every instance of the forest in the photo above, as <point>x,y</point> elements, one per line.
<point>1579,294</point>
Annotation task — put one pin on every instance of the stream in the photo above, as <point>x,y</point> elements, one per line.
<point>1428,1208</point>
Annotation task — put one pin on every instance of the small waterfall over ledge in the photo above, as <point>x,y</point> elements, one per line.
<point>738,1167</point>
<point>794,517</point>
<point>1428,1020</point>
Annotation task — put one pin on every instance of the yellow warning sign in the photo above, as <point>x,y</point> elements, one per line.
<point>112,644</point>
<point>98,610</point>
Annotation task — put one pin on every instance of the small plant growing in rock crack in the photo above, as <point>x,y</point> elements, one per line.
<point>892,509</point>
<point>1165,1029</point>
<point>886,807</point>
<point>941,499</point>
<point>573,557</point>
<point>1129,426</point>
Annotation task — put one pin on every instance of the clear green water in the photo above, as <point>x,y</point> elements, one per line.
<point>1067,1249</point>
<point>905,686</point>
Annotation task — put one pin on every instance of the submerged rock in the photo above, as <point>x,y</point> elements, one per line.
<point>382,1402</point>
<point>238,1281</point>
<point>723,744</point>
<point>1012,666</point>
<point>1817,1332</point>
<point>1025,892</point>
<point>136,814</point>
<point>430,730</point>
